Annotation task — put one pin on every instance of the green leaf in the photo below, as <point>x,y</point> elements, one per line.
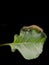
<point>29,43</point>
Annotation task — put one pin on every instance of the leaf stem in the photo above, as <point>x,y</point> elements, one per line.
<point>4,44</point>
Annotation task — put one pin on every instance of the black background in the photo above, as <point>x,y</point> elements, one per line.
<point>13,26</point>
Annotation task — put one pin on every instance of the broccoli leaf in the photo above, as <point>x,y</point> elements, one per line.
<point>29,43</point>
